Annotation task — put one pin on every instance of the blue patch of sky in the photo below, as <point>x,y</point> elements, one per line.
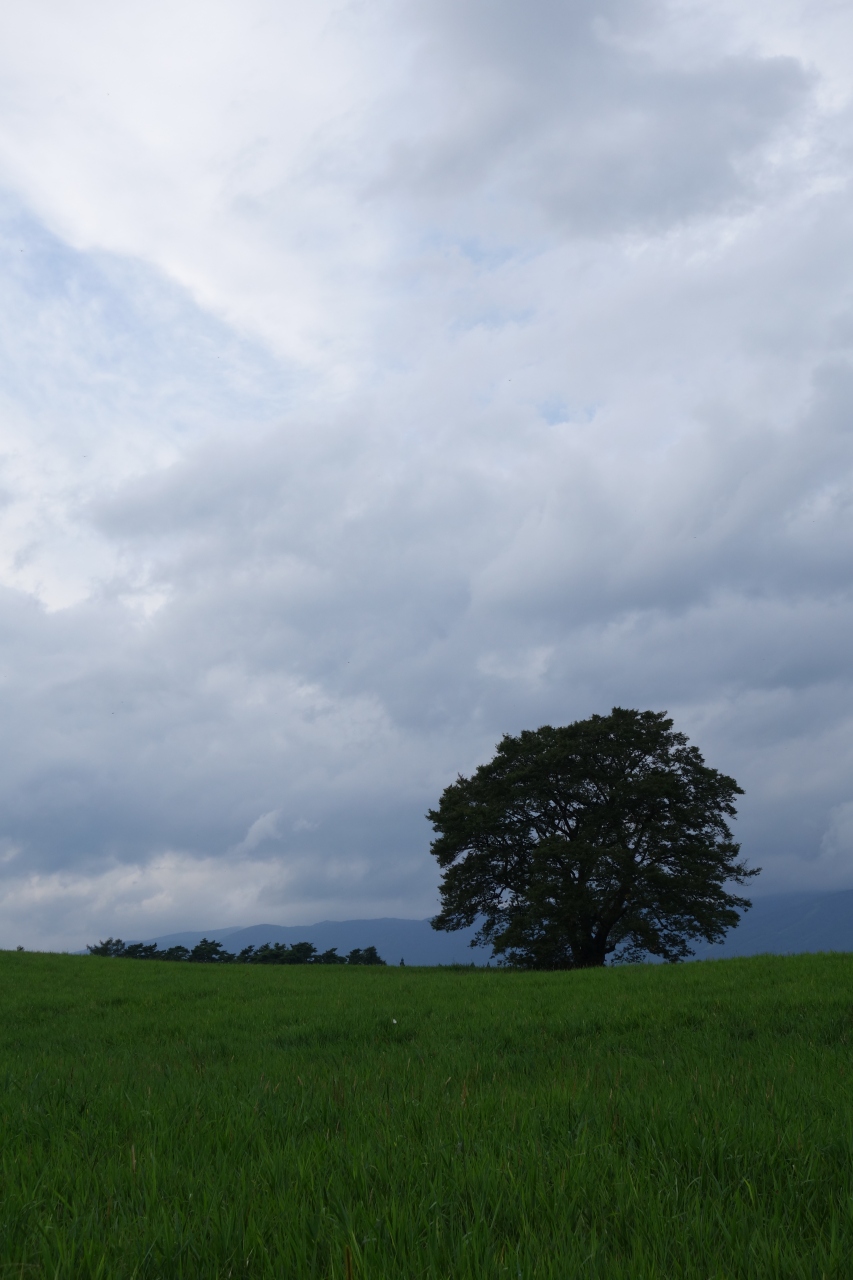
<point>98,326</point>
<point>556,410</point>
<point>482,254</point>
<point>491,318</point>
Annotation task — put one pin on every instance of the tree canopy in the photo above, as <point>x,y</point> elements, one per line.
<point>604,838</point>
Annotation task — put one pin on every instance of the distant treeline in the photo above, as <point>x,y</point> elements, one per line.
<point>207,952</point>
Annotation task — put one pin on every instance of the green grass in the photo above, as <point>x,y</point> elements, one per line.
<point>193,1121</point>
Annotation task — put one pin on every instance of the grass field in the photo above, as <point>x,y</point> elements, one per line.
<point>194,1121</point>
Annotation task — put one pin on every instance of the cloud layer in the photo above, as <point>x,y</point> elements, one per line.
<point>378,379</point>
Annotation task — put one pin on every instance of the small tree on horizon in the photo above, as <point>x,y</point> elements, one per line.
<point>607,837</point>
<point>364,955</point>
<point>178,952</point>
<point>210,952</point>
<point>207,952</point>
<point>111,947</point>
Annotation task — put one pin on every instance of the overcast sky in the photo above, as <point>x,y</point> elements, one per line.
<point>380,377</point>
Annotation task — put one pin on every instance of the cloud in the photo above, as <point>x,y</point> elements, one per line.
<point>838,838</point>
<point>380,379</point>
<point>262,830</point>
<point>561,120</point>
<point>176,891</point>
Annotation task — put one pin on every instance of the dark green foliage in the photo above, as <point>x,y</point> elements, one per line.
<point>200,1122</point>
<point>112,947</point>
<point>207,952</point>
<point>280,953</point>
<point>369,955</point>
<point>140,951</point>
<point>604,838</point>
<point>301,953</point>
<point>173,953</point>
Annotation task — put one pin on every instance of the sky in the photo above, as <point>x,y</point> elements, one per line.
<point>380,378</point>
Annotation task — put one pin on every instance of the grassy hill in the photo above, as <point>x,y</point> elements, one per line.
<point>194,1121</point>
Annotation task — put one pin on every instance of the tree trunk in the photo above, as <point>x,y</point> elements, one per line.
<point>590,955</point>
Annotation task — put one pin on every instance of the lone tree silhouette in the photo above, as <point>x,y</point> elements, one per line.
<point>607,837</point>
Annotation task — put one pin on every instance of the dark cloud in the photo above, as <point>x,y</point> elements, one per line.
<point>553,117</point>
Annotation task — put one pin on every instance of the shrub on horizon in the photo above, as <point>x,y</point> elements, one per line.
<point>209,952</point>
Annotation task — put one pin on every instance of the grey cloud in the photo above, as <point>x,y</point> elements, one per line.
<point>578,472</point>
<point>550,116</point>
<point>396,608</point>
<point>731,507</point>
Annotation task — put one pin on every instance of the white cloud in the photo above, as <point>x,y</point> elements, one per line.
<point>262,830</point>
<point>66,910</point>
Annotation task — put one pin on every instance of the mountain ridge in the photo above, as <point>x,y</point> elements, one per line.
<point>395,938</point>
<point>783,923</point>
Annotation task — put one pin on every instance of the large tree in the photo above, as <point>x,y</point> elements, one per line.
<point>609,835</point>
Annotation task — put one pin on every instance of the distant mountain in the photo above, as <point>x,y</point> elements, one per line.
<point>780,923</point>
<point>414,941</point>
<point>786,923</point>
